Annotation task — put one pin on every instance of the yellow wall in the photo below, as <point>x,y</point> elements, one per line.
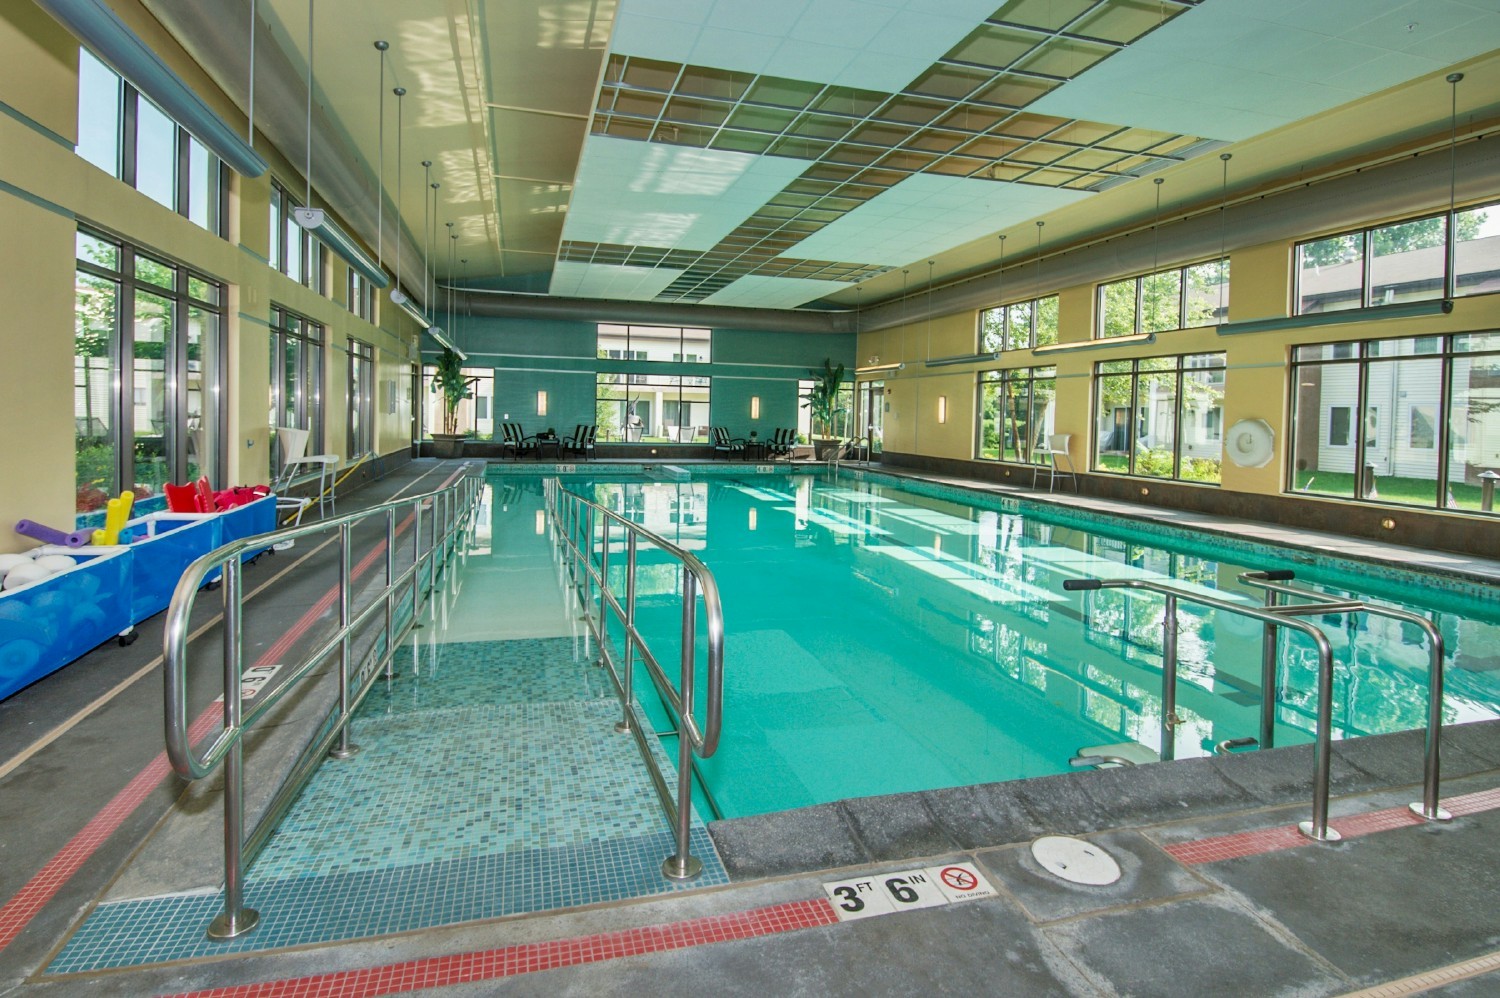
<point>1255,384</point>
<point>44,187</point>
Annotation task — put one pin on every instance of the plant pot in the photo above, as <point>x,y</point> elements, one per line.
<point>448,445</point>
<point>824,446</point>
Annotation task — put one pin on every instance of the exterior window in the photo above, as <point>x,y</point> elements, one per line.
<point>147,372</point>
<point>683,345</point>
<point>654,408</point>
<point>297,377</point>
<point>1160,417</point>
<point>294,251</point>
<point>361,296</point>
<point>133,140</point>
<point>1016,411</point>
<point>361,413</point>
<point>1431,421</point>
<point>1019,326</point>
<point>1401,261</point>
<point>1181,298</point>
<point>476,413</point>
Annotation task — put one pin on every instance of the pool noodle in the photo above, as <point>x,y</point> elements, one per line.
<point>116,512</point>
<point>41,532</point>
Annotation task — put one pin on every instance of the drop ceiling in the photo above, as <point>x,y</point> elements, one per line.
<point>782,153</point>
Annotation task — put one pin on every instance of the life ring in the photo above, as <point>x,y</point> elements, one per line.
<point>1250,443</point>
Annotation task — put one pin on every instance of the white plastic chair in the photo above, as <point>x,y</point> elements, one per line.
<point>294,462</point>
<point>1056,450</point>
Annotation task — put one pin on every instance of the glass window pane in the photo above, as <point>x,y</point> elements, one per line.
<point>203,289</point>
<point>1207,294</point>
<point>1408,261</point>
<point>149,386</point>
<point>1400,429</point>
<point>1476,343</point>
<point>697,345</point>
<point>1331,274</point>
<point>1018,326</point>
<point>155,154</point>
<point>1202,425</point>
<point>163,275</point>
<point>96,302</point>
<point>1117,308</point>
<point>202,393</point>
<point>291,243</point>
<point>1046,321</point>
<point>1156,424</point>
<point>1476,264</point>
<point>1474,431</point>
<point>991,329</point>
<point>98,113</point>
<point>203,186</point>
<point>92,249</point>
<point>273,252</point>
<point>1112,435</point>
<point>1322,434</point>
<point>1016,419</point>
<point>1040,418</point>
<point>1161,301</point>
<point>989,415</point>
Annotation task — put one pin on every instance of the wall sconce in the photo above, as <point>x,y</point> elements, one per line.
<point>541,521</point>
<point>942,408</point>
<point>754,518</point>
<point>754,412</point>
<point>541,403</point>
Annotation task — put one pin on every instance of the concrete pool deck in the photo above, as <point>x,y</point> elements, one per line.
<point>1216,898</point>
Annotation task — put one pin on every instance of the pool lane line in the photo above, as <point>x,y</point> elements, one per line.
<point>18,760</point>
<point>1264,840</point>
<point>530,958</point>
<point>1427,980</point>
<point>24,905</point>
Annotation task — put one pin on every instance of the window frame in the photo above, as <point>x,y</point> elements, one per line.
<point>1181,369</point>
<point>1034,308</point>
<point>307,408</point>
<point>1137,324</point>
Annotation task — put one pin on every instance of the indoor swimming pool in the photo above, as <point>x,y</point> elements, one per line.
<point>884,639</point>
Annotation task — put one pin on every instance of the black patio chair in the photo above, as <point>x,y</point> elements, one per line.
<point>781,443</point>
<point>724,444</point>
<point>582,441</point>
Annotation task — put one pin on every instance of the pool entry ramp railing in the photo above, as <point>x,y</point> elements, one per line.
<point>436,528</point>
<point>583,528</point>
<point>1275,616</point>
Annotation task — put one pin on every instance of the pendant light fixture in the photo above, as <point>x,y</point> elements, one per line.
<point>316,220</point>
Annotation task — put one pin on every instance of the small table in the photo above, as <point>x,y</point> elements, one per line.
<point>756,448</point>
<point>542,443</point>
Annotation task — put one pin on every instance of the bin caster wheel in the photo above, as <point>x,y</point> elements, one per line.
<point>128,639</point>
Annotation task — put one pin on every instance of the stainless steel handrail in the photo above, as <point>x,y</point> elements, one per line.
<point>1317,828</point>
<point>578,522</point>
<point>1274,586</point>
<point>452,513</point>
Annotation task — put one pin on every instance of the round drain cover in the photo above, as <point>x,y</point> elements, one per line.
<point>1075,860</point>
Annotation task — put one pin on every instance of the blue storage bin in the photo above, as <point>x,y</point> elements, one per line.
<point>48,624</point>
<point>162,545</point>
<point>258,517</point>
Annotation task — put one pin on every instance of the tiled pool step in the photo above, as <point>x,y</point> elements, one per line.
<point>491,783</point>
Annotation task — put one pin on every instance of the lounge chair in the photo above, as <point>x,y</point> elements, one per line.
<point>726,445</point>
<point>781,443</point>
<point>582,441</point>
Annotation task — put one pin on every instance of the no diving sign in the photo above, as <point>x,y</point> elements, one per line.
<point>883,893</point>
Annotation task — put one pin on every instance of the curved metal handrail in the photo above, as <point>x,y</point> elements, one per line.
<point>451,505</point>
<point>575,515</point>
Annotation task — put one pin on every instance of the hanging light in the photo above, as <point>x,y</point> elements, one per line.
<point>398,297</point>
<point>316,220</point>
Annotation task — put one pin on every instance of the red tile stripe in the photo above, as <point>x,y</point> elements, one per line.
<point>1264,840</point>
<point>529,958</point>
<point>44,885</point>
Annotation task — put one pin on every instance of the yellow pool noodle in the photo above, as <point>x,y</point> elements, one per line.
<point>116,512</point>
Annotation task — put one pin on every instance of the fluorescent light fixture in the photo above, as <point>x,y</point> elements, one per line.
<point>436,332</point>
<point>541,403</point>
<point>316,221</point>
<point>1403,310</point>
<point>405,304</point>
<point>942,408</point>
<point>755,407</point>
<point>1112,341</point>
<point>875,368</point>
<point>970,358</point>
<point>94,24</point>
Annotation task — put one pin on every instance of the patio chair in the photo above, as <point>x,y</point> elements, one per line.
<point>295,465</point>
<point>1055,450</point>
<point>726,445</point>
<point>781,443</point>
<point>582,441</point>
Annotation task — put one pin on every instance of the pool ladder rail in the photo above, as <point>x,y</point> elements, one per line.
<point>1276,615</point>
<point>441,525</point>
<point>579,525</point>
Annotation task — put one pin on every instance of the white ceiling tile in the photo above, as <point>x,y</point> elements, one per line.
<point>739,51</point>
<point>591,280</point>
<point>801,60</point>
<point>761,17</point>
<point>654,37</point>
<point>850,23</point>
<point>683,10</point>
<point>761,291</point>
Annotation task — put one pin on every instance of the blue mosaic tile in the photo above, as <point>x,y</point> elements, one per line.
<point>490,782</point>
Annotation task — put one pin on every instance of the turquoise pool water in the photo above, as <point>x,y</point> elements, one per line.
<point>882,640</point>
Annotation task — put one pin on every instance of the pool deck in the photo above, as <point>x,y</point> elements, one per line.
<point>1218,894</point>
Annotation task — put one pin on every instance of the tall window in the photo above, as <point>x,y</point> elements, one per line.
<point>1161,417</point>
<point>131,139</point>
<point>147,372</point>
<point>1016,410</point>
<point>361,411</point>
<point>659,408</point>
<point>295,252</point>
<point>1414,421</point>
<point>297,376</point>
<point>1018,326</point>
<point>476,414</point>
<point>1180,298</point>
<point>669,343</point>
<point>1401,261</point>
<point>361,296</point>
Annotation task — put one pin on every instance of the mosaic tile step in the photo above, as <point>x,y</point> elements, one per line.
<point>302,910</point>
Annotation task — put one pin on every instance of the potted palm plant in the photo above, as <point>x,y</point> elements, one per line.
<point>450,382</point>
<point>825,405</point>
